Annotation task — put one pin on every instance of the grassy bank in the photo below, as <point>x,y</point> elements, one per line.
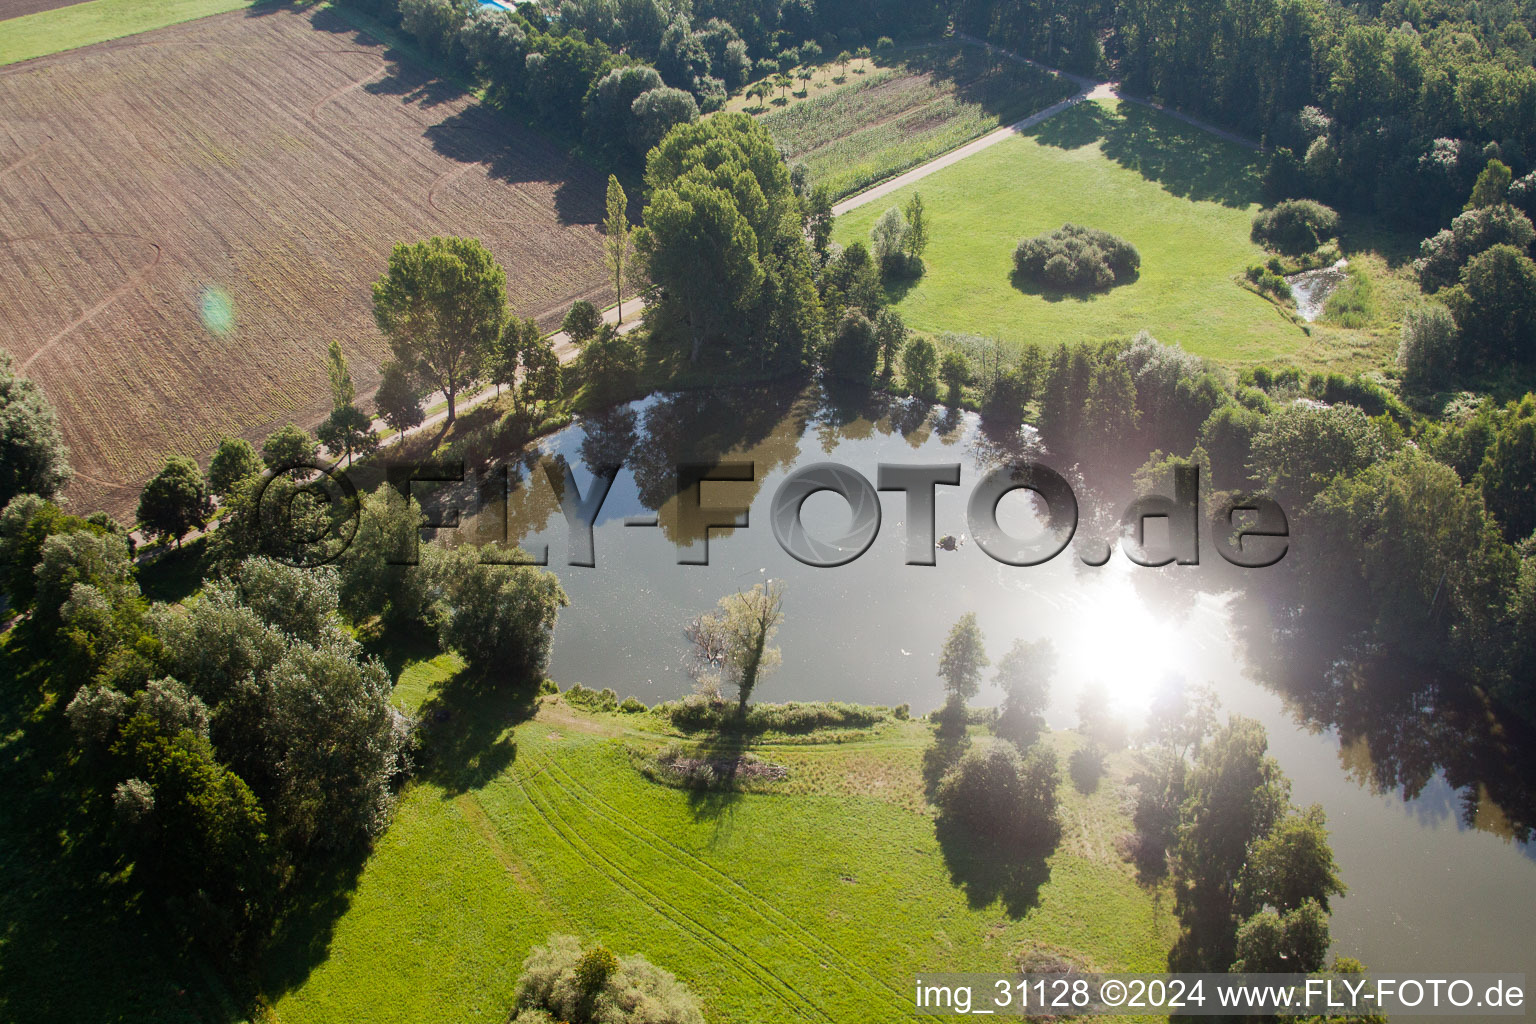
<point>1185,200</point>
<point>816,897</point>
<point>66,28</point>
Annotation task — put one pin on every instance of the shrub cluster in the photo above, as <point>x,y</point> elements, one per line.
<point>560,982</point>
<point>593,700</point>
<point>677,765</point>
<point>1269,281</point>
<point>1076,258</point>
<point>1295,226</point>
<point>697,713</point>
<point>993,793</point>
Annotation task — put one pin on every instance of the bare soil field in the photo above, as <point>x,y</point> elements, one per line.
<point>16,8</point>
<point>189,216</point>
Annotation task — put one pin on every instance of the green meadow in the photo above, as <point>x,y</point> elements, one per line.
<point>1183,197</point>
<point>96,21</point>
<point>818,897</point>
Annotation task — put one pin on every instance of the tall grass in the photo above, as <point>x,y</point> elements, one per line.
<point>1353,303</point>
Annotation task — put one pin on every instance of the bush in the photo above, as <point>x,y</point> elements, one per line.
<point>633,706</point>
<point>1295,225</point>
<point>1086,766</point>
<point>594,700</point>
<point>1076,258</point>
<point>1269,281</point>
<point>560,982</point>
<point>697,713</point>
<point>995,794</point>
<point>1429,348</point>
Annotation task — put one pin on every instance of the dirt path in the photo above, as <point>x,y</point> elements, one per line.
<point>1087,89</point>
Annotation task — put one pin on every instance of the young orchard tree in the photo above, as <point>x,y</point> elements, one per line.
<point>735,639</point>
<point>442,304</point>
<point>616,241</point>
<point>963,657</point>
<point>175,501</point>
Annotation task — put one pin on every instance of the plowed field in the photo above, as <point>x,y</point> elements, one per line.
<point>189,216</point>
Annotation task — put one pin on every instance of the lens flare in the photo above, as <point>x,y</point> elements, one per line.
<point>217,311</point>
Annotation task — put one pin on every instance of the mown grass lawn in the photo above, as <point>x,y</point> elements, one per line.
<point>1184,198</point>
<point>96,21</point>
<point>821,901</point>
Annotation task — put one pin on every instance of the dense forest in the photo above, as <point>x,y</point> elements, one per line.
<point>1394,107</point>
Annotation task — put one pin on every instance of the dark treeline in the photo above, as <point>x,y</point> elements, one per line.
<point>619,73</point>
<point>1390,107</point>
<point>1394,107</point>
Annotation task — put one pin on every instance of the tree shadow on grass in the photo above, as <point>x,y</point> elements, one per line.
<point>302,940</point>
<point>467,727</point>
<point>1186,161</point>
<point>992,872</point>
<point>724,748</point>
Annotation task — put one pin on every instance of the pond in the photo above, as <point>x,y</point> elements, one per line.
<point>1427,811</point>
<point>1311,289</point>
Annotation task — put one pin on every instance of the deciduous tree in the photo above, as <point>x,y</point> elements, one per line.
<point>736,639</point>
<point>233,461</point>
<point>33,459</point>
<point>175,500</point>
<point>963,657</point>
<point>616,243</point>
<point>442,304</point>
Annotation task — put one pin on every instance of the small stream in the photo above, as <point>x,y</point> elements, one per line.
<point>1311,288</point>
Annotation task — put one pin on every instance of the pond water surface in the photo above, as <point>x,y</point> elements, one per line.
<point>1426,813</point>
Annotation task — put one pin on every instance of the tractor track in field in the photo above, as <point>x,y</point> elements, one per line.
<point>134,280</point>
<point>750,900</point>
<point>21,162</point>
<point>335,94</point>
<point>768,979</point>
